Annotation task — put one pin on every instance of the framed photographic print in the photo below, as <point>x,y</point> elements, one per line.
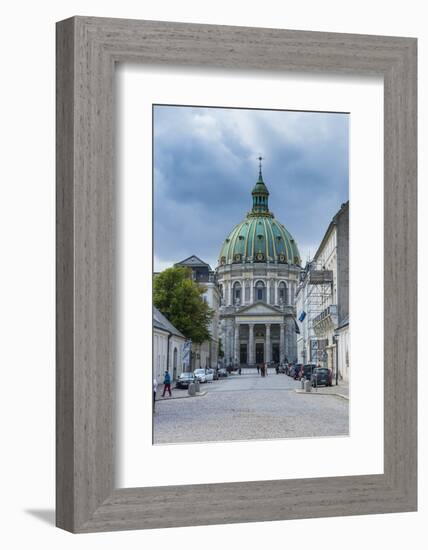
<point>236,274</point>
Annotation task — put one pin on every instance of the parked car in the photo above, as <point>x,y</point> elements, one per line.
<point>200,375</point>
<point>222,373</point>
<point>294,370</point>
<point>209,375</point>
<point>185,379</point>
<point>322,376</point>
<point>306,371</point>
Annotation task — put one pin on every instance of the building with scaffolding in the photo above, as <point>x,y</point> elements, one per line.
<point>322,301</point>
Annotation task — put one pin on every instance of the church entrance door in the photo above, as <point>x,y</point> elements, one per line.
<point>275,353</point>
<point>243,354</point>
<point>260,353</point>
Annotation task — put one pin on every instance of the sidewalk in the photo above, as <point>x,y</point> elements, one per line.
<point>176,393</point>
<point>342,390</point>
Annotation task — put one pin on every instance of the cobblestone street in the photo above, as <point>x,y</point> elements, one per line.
<point>250,407</point>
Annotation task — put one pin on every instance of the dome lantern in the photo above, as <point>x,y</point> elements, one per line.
<point>260,194</point>
<point>259,238</point>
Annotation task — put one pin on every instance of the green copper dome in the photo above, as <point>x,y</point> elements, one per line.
<point>259,237</point>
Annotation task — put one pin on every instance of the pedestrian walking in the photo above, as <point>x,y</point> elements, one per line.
<point>258,369</point>
<point>155,389</point>
<point>266,369</point>
<point>239,370</point>
<point>167,384</point>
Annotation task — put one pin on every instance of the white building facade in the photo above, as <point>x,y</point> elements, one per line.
<point>307,308</point>
<point>328,282</point>
<point>168,345</point>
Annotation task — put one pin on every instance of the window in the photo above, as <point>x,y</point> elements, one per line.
<point>283,298</point>
<point>237,293</point>
<point>260,291</point>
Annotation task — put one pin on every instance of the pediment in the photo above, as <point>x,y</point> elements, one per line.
<point>259,309</point>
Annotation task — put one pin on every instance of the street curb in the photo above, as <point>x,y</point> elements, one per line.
<point>200,394</point>
<point>323,393</point>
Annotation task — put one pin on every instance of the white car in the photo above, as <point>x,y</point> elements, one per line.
<point>200,375</point>
<point>209,375</point>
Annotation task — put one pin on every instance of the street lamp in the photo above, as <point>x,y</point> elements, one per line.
<point>336,341</point>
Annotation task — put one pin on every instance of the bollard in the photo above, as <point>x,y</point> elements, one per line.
<point>302,383</point>
<point>307,385</point>
<point>197,386</point>
<point>191,390</point>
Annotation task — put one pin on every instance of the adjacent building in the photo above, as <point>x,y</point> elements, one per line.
<point>168,343</point>
<point>323,300</point>
<point>257,275</point>
<point>205,355</point>
<point>308,304</point>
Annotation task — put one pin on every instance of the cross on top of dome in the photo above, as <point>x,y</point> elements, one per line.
<point>260,168</point>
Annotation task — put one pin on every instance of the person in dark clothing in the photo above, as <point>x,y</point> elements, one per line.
<point>167,384</point>
<point>155,387</point>
<point>258,369</point>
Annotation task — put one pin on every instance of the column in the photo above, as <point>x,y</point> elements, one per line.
<point>288,344</point>
<point>251,291</point>
<point>268,291</point>
<point>236,358</point>
<point>231,358</point>
<point>281,342</point>
<point>268,351</point>
<point>251,359</point>
<point>226,341</point>
<point>276,292</point>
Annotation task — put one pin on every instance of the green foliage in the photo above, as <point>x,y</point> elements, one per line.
<point>180,300</point>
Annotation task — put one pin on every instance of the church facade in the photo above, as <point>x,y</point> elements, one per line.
<point>257,276</point>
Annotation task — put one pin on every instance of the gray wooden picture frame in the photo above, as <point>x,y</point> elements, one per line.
<point>87,50</point>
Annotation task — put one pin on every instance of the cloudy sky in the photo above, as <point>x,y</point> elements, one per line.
<point>205,166</point>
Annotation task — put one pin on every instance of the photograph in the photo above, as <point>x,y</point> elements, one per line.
<point>250,274</point>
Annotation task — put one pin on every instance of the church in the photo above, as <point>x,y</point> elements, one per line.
<point>257,276</point>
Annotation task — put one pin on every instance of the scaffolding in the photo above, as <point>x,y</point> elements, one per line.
<point>317,287</point>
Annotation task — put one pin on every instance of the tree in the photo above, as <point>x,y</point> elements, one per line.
<point>179,298</point>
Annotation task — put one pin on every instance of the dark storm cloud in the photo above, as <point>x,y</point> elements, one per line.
<point>206,165</point>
